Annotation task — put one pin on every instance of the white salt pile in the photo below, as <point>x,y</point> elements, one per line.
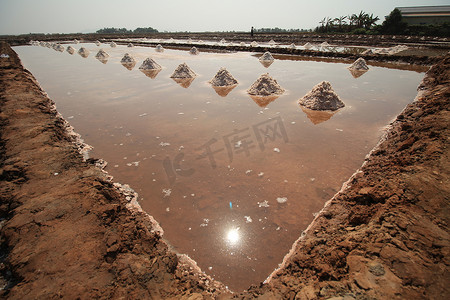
<point>97,43</point>
<point>113,44</point>
<point>254,44</point>
<point>321,97</point>
<point>266,57</point>
<point>149,64</point>
<point>127,59</point>
<point>282,200</point>
<point>183,71</point>
<point>223,78</point>
<point>308,46</point>
<point>59,48</point>
<point>101,54</point>
<point>359,64</point>
<point>292,46</point>
<point>75,41</point>
<point>130,45</point>
<point>194,51</point>
<point>325,44</point>
<point>70,49</point>
<point>159,48</point>
<point>223,41</point>
<point>265,86</point>
<point>242,44</point>
<point>272,42</point>
<point>368,52</point>
<point>83,52</point>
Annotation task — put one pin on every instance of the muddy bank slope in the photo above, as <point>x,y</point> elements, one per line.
<point>67,231</point>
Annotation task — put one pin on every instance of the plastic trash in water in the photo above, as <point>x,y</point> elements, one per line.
<point>231,205</point>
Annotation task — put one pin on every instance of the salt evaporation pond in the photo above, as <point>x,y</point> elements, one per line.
<point>232,181</point>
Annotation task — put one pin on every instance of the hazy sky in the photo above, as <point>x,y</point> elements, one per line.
<point>63,16</point>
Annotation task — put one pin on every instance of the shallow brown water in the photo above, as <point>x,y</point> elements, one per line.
<point>203,164</point>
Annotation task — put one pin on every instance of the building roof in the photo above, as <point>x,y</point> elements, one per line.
<point>416,11</point>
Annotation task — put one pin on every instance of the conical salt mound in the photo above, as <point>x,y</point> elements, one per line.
<point>223,78</point>
<point>194,51</point>
<point>130,45</point>
<point>272,42</point>
<point>70,49</point>
<point>159,48</point>
<point>254,44</point>
<point>59,48</point>
<point>183,71</point>
<point>265,86</point>
<point>83,52</point>
<point>266,57</point>
<point>292,46</point>
<point>325,44</point>
<point>359,64</point>
<point>308,46</point>
<point>101,54</point>
<point>322,97</point>
<point>97,43</point>
<point>113,44</point>
<point>127,59</point>
<point>149,64</point>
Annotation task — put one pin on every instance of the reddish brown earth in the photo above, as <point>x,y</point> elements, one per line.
<point>68,231</point>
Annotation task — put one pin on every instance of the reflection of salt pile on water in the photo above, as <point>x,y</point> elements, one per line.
<point>150,68</point>
<point>102,56</point>
<point>112,44</point>
<point>265,86</point>
<point>183,75</point>
<point>194,51</point>
<point>159,48</point>
<point>83,52</point>
<point>70,49</point>
<point>321,97</point>
<point>223,82</point>
<point>358,68</point>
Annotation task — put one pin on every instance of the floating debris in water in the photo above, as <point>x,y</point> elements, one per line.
<point>248,219</point>
<point>163,144</point>
<point>276,150</point>
<point>322,97</point>
<point>260,174</point>
<point>134,163</point>
<point>248,172</point>
<point>282,200</point>
<point>265,203</point>
<point>205,223</point>
<point>167,192</point>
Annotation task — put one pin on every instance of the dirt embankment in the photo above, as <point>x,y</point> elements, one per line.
<point>68,231</point>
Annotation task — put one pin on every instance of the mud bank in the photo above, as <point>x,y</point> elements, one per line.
<point>68,231</point>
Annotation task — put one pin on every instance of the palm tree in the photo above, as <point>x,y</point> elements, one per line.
<point>370,21</point>
<point>340,21</point>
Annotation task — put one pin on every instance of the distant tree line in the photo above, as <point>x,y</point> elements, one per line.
<point>279,30</point>
<point>363,23</point>
<point>110,30</point>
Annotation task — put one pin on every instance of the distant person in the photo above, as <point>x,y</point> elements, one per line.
<point>251,32</point>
